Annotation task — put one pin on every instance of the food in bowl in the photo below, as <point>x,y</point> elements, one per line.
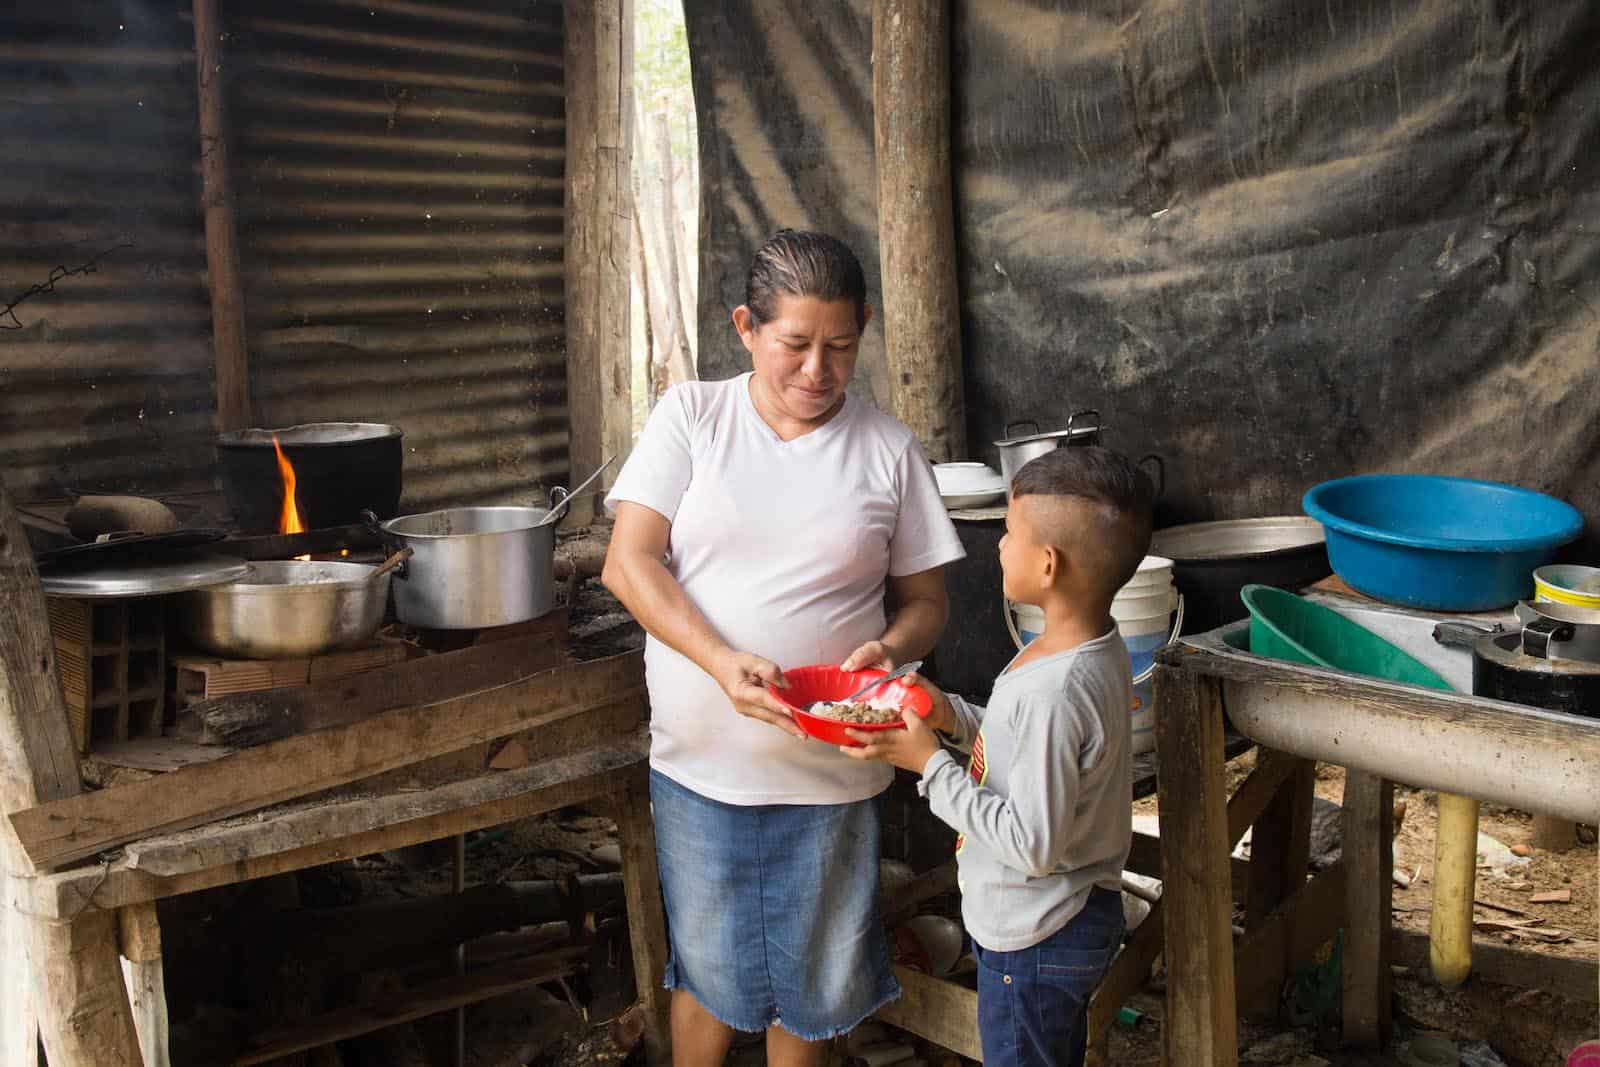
<point>827,684</point>
<point>864,712</point>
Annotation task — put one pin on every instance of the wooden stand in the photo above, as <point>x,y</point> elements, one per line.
<point>1334,717</point>
<point>579,726</point>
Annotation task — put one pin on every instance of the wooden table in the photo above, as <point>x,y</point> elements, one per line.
<point>1380,732</point>
<point>276,808</point>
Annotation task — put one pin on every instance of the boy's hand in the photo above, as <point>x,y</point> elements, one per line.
<point>942,717</point>
<point>909,749</point>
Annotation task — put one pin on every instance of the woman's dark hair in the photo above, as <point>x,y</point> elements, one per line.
<point>802,263</point>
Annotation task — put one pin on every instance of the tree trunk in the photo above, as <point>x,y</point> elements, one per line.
<point>679,362</point>
<point>916,222</point>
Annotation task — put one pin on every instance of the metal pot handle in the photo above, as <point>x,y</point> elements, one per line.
<point>1463,634</point>
<point>559,500</point>
<point>374,525</point>
<point>1538,634</point>
<point>1160,469</point>
<point>1072,421</point>
<point>1006,432</point>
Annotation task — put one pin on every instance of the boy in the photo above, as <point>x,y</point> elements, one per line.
<point>1045,812</point>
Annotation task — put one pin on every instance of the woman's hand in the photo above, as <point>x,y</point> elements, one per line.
<point>872,654</point>
<point>909,749</point>
<point>744,677</point>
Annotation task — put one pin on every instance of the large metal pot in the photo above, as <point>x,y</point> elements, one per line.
<point>283,609</point>
<point>1213,561</point>
<point>474,567</point>
<point>341,469</point>
<point>1083,428</point>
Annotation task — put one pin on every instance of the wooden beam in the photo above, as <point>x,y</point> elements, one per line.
<point>1144,857</point>
<point>1196,839</point>
<point>397,820</point>
<point>647,923</point>
<point>942,1012</point>
<point>916,221</point>
<point>75,828</point>
<point>1574,979</point>
<point>242,720</point>
<point>84,1014</point>
<point>598,207</point>
<point>581,745</point>
<point>419,1002</point>
<point>74,991</point>
<point>1367,853</point>
<point>1286,938</point>
<point>222,238</point>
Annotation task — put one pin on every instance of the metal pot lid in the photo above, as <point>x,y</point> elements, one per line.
<point>311,433</point>
<point>1231,539</point>
<point>152,579</point>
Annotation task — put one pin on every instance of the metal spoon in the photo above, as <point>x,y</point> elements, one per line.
<point>899,672</point>
<point>559,507</point>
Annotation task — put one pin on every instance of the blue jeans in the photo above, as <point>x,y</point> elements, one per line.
<point>1033,1003</point>
<point>772,910</point>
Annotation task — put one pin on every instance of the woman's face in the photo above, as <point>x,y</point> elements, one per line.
<point>804,356</point>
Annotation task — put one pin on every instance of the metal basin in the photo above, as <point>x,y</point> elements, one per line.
<point>283,609</point>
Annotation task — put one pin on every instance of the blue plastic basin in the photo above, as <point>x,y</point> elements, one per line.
<point>1436,543</point>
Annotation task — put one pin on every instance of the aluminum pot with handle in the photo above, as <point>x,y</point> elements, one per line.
<point>476,567</point>
<point>1083,428</point>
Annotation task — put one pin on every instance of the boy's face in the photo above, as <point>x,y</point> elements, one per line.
<point>1023,556</point>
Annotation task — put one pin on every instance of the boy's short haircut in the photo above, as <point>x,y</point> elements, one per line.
<point>1106,528</point>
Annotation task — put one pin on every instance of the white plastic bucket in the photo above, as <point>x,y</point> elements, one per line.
<point>1142,609</point>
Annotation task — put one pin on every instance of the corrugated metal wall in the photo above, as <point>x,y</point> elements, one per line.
<point>398,173</point>
<point>399,180</point>
<point>105,381</point>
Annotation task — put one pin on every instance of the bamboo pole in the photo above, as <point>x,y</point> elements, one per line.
<point>222,238</point>
<point>916,220</point>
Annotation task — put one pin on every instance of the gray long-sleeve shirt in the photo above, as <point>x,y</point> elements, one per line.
<point>1045,809</point>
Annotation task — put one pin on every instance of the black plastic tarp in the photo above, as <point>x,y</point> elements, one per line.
<point>1275,242</point>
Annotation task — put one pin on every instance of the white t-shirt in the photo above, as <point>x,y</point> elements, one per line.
<point>785,547</point>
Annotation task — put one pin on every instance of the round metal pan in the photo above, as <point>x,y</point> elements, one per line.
<point>144,579</point>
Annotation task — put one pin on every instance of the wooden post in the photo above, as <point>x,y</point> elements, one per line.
<point>599,229</point>
<point>916,221</point>
<point>76,982</point>
<point>1201,1026</point>
<point>1280,852</point>
<point>1368,851</point>
<point>647,924</point>
<point>222,238</point>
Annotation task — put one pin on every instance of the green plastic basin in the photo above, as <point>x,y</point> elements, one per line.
<point>1287,627</point>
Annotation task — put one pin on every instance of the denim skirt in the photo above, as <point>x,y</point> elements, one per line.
<point>772,910</point>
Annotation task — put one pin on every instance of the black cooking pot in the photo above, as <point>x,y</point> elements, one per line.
<point>1501,671</point>
<point>341,469</point>
<point>1214,561</point>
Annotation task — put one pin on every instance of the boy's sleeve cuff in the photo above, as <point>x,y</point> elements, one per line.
<point>935,763</point>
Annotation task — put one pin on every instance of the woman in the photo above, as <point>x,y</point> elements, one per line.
<point>760,522</point>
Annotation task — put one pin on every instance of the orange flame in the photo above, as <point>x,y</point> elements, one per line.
<point>289,518</point>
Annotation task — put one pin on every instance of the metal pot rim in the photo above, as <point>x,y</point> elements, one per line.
<point>1315,537</point>
<point>389,525</point>
<point>1505,650</point>
<point>311,433</point>
<point>1074,431</point>
<point>360,576</point>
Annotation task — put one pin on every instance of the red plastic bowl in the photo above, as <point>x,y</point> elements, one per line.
<point>828,682</point>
